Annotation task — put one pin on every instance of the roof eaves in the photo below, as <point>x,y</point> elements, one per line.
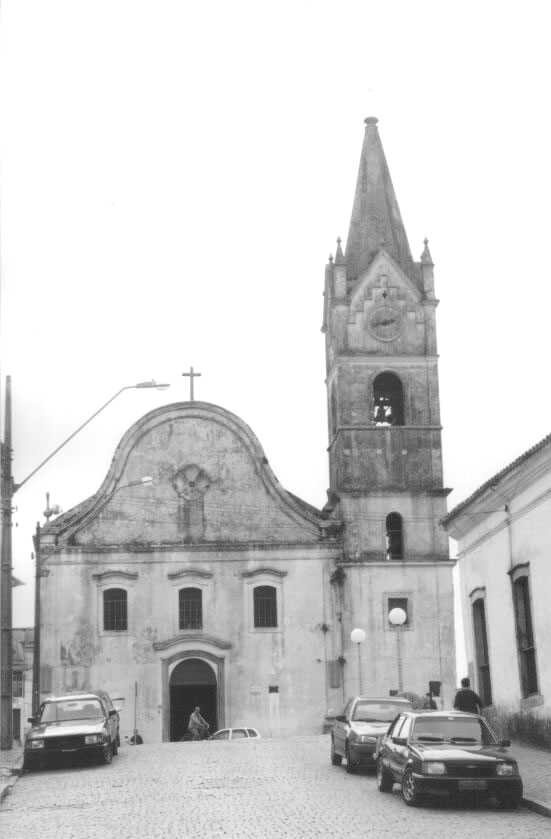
<point>495,479</point>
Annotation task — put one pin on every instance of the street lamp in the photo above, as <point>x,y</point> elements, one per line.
<point>357,636</point>
<point>150,385</point>
<point>8,488</point>
<point>397,618</point>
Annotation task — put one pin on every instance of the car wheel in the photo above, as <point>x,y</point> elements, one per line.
<point>107,754</point>
<point>384,778</point>
<point>336,759</point>
<point>409,792</point>
<point>350,767</point>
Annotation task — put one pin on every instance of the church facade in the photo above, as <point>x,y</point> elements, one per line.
<point>213,585</point>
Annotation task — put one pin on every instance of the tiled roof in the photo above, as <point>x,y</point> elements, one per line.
<point>491,482</point>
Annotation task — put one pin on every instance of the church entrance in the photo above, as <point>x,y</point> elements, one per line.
<point>192,682</point>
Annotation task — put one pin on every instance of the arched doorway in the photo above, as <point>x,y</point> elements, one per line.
<point>192,682</point>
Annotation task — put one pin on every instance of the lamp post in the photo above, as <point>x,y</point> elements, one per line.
<point>357,636</point>
<point>8,489</point>
<point>397,618</point>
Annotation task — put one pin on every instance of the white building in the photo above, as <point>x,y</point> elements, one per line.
<point>504,535</point>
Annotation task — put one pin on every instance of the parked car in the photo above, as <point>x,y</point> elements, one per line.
<point>75,724</point>
<point>235,734</point>
<point>436,752</point>
<point>357,730</point>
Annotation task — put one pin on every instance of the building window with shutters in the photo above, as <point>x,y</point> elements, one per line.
<point>190,608</point>
<point>115,610</point>
<point>525,635</point>
<point>394,536</point>
<point>481,651</point>
<point>265,606</point>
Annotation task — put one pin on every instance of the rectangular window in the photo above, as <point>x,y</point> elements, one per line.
<point>115,610</point>
<point>481,651</point>
<point>190,608</point>
<point>265,606</point>
<point>399,603</point>
<point>525,637</point>
<point>17,683</point>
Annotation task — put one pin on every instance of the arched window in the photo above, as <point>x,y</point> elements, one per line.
<point>525,637</point>
<point>190,608</point>
<point>394,536</point>
<point>265,606</point>
<point>388,400</point>
<point>115,610</point>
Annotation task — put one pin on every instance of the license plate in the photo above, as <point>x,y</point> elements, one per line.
<point>472,784</point>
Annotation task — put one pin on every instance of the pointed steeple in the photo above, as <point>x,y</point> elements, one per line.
<point>376,221</point>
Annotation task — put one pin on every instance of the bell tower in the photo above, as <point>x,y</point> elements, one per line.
<point>385,449</point>
<point>394,578</point>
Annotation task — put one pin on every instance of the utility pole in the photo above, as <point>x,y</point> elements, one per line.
<point>6,493</point>
<point>36,636</point>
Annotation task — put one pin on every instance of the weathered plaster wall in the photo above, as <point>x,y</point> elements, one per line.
<point>291,657</point>
<point>427,646</point>
<point>489,546</point>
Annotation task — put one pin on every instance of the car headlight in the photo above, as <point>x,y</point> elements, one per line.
<point>90,739</point>
<point>434,767</point>
<point>36,744</point>
<point>366,738</point>
<point>505,769</point>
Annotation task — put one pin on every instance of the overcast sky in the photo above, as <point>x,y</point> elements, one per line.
<point>174,176</point>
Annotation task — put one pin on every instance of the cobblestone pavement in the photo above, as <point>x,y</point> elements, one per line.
<point>268,788</point>
<point>535,768</point>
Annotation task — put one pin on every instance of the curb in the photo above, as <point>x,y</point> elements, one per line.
<point>6,787</point>
<point>537,806</point>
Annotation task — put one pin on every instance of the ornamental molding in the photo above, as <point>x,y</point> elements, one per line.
<point>104,575</point>
<point>196,637</point>
<point>189,572</point>
<point>275,572</point>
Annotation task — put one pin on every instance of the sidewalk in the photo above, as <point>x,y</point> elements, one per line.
<point>10,766</point>
<point>535,769</point>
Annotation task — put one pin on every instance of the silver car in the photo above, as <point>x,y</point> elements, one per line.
<point>363,722</point>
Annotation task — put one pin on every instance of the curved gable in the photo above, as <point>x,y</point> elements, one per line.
<point>211,484</point>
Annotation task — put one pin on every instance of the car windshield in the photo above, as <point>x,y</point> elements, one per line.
<point>377,711</point>
<point>71,709</point>
<point>464,730</point>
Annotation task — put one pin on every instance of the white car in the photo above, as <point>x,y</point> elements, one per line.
<point>235,734</point>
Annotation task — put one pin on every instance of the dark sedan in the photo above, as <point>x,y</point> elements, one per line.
<point>436,752</point>
<point>77,724</point>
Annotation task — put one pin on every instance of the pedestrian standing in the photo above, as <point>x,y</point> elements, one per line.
<point>466,699</point>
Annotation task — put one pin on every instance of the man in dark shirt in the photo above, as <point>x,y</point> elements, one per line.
<point>466,699</point>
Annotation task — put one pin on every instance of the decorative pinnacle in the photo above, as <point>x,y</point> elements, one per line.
<point>339,256</point>
<point>371,120</point>
<point>426,258</point>
<point>330,258</point>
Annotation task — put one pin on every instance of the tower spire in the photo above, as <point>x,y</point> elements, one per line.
<point>376,221</point>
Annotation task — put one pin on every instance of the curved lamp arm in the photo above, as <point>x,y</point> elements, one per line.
<point>151,384</point>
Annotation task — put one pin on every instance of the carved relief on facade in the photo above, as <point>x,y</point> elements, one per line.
<point>190,484</point>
